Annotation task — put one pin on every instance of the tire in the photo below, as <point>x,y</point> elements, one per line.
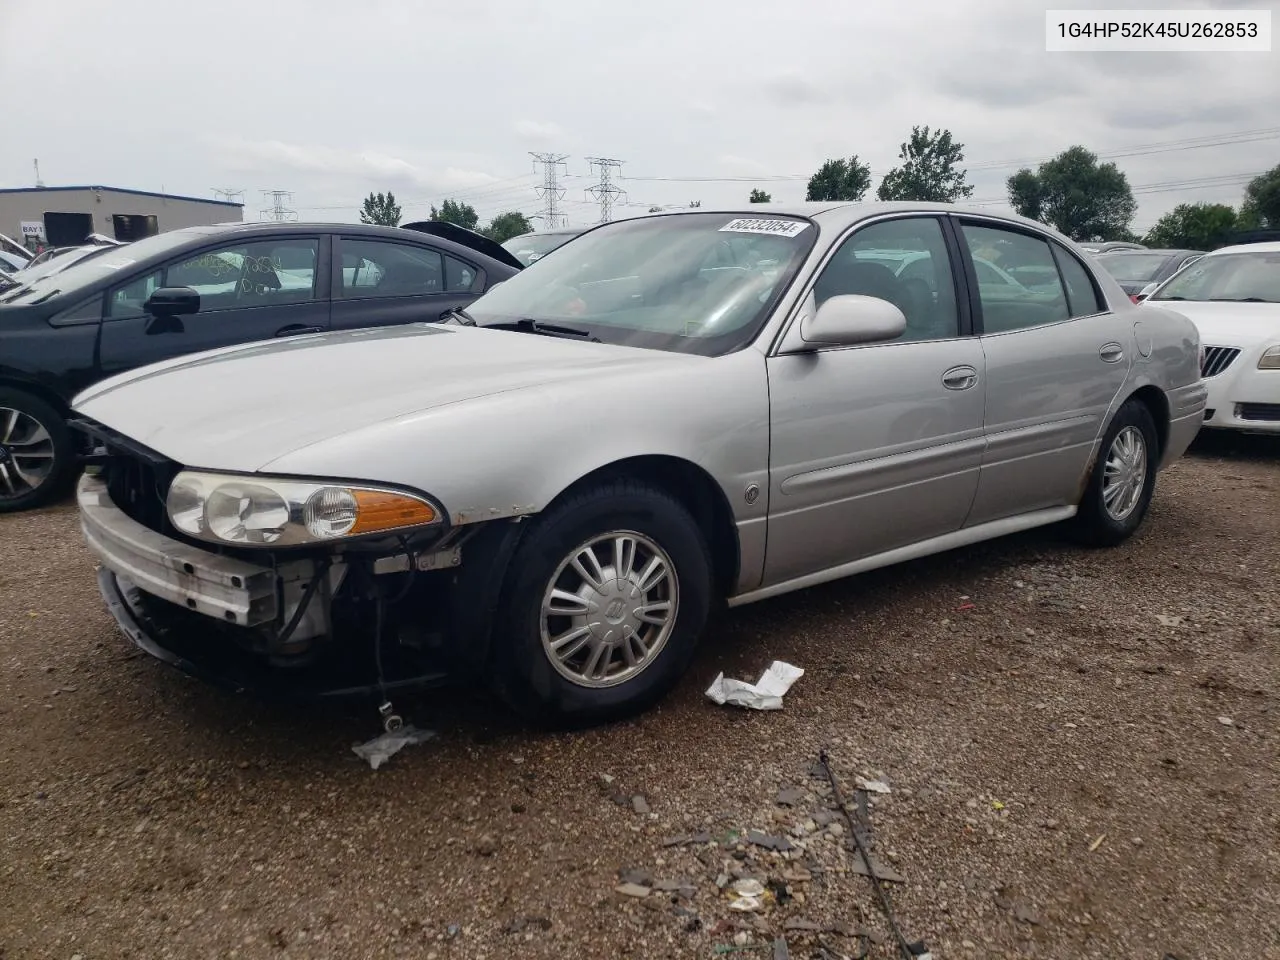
<point>24,420</point>
<point>524,671</point>
<point>1130,435</point>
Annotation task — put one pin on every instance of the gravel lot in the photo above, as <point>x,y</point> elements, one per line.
<point>1082,751</point>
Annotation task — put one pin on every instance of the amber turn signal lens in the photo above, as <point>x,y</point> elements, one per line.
<point>377,511</point>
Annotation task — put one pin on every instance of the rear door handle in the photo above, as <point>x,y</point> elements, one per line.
<point>1111,353</point>
<point>296,329</point>
<point>960,378</point>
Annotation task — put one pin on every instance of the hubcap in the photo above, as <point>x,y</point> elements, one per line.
<point>26,453</point>
<point>1124,473</point>
<point>609,609</point>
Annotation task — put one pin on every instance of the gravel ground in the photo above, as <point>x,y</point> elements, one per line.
<point>1081,749</point>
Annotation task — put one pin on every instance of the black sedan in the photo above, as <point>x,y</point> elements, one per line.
<point>201,288</point>
<point>1135,269</point>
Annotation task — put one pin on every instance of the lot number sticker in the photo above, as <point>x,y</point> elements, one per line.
<point>773,228</point>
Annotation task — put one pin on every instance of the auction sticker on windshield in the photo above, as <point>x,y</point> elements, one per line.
<point>774,228</point>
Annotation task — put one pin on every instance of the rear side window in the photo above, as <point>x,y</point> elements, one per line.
<point>458,276</point>
<point>1030,292</point>
<point>1082,295</point>
<point>382,268</point>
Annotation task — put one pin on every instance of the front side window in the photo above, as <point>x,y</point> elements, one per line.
<point>1248,276</point>
<point>383,268</point>
<point>261,273</point>
<point>904,262</point>
<point>1035,298</point>
<point>127,300</point>
<point>659,282</point>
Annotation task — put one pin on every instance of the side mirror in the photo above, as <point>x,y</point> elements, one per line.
<point>851,319</point>
<point>173,302</point>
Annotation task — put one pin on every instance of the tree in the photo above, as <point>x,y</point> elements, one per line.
<point>840,179</point>
<point>759,196</point>
<point>451,211</point>
<point>382,209</point>
<point>928,170</point>
<point>507,225</point>
<point>1194,226</point>
<point>1073,192</point>
<point>1261,207</point>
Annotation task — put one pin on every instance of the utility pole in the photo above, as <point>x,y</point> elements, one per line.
<point>606,191</point>
<point>551,193</point>
<point>278,211</point>
<point>228,194</point>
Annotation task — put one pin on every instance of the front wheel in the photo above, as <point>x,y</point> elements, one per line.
<point>1123,479</point>
<point>606,599</point>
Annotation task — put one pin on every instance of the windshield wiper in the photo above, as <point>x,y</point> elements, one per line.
<point>529,325</point>
<point>1238,300</point>
<point>460,316</point>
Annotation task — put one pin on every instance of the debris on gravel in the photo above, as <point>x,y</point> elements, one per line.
<point>147,815</point>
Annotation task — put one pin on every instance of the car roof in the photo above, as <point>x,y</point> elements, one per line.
<point>1269,246</point>
<point>839,214</point>
<point>1169,252</point>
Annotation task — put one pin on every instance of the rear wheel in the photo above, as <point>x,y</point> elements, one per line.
<point>1123,480</point>
<point>605,601</point>
<point>37,455</point>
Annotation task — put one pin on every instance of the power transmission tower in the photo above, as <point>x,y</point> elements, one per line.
<point>278,211</point>
<point>551,193</point>
<point>606,191</point>
<point>228,194</point>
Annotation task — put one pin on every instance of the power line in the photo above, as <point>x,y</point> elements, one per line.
<point>606,191</point>
<point>551,193</point>
<point>1140,150</point>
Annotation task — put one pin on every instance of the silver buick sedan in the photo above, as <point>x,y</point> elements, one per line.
<point>552,491</point>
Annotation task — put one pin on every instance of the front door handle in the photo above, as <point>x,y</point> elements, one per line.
<point>1111,353</point>
<point>296,329</point>
<point>960,378</point>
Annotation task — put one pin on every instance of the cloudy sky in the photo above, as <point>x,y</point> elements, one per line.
<point>702,99</point>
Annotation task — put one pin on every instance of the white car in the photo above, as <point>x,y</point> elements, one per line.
<point>1233,296</point>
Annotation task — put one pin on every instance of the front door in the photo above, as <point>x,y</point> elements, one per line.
<point>1056,360</point>
<point>877,446</point>
<point>380,282</point>
<point>249,290</point>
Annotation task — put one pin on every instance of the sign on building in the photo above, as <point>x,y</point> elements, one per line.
<point>33,228</point>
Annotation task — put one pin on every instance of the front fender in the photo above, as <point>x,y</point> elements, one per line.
<point>511,454</point>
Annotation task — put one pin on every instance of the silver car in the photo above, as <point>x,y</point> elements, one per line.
<point>554,490</point>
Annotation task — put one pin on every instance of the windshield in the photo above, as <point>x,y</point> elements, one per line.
<point>94,264</point>
<point>1133,267</point>
<point>691,283</point>
<point>535,246</point>
<point>1245,276</point>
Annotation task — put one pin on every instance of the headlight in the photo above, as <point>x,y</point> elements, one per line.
<point>260,511</point>
<point>1270,359</point>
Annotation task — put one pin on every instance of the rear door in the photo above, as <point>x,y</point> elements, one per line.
<point>378,282</point>
<point>1056,358</point>
<point>249,290</point>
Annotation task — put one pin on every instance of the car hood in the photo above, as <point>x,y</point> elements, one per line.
<point>240,408</point>
<point>1228,324</point>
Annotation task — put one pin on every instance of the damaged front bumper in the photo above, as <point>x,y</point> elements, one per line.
<point>226,620</point>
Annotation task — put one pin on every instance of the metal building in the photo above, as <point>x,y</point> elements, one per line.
<point>65,216</point>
